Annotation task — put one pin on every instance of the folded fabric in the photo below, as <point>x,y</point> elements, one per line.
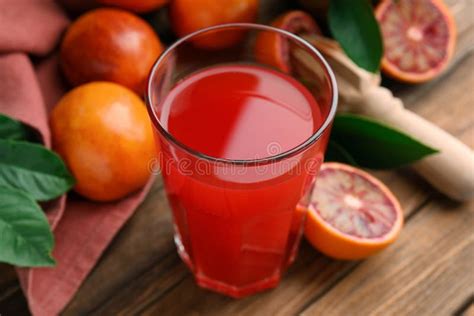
<point>83,233</point>
<point>31,26</point>
<point>20,94</point>
<point>82,228</point>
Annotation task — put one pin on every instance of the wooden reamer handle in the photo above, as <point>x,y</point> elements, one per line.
<point>451,170</point>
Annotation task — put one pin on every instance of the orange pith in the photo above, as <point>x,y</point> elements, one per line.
<point>353,215</point>
<point>419,38</point>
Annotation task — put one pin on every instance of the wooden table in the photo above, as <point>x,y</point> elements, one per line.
<point>428,271</point>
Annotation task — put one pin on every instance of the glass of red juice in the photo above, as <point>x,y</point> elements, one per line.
<point>241,139</point>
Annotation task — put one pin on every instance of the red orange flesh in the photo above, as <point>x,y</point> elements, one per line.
<point>419,38</point>
<point>352,214</point>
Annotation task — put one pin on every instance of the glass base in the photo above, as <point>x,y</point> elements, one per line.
<point>237,292</point>
<point>223,288</point>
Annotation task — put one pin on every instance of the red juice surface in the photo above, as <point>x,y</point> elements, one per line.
<point>238,232</point>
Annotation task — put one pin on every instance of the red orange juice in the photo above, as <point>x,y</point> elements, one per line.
<point>233,187</point>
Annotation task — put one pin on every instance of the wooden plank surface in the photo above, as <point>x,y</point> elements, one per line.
<point>425,273</point>
<point>312,275</point>
<point>429,270</point>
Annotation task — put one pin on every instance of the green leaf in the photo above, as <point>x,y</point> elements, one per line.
<point>372,144</point>
<point>336,152</point>
<point>353,25</point>
<point>25,236</point>
<point>13,129</point>
<point>33,169</point>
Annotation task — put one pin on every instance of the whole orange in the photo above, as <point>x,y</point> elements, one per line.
<point>188,16</point>
<point>110,45</point>
<point>139,6</point>
<point>103,133</point>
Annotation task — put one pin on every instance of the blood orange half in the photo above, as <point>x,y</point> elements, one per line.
<point>419,38</point>
<point>352,215</point>
<point>273,49</point>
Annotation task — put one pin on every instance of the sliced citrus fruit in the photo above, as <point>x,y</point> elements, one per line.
<point>352,215</point>
<point>273,49</point>
<point>419,38</point>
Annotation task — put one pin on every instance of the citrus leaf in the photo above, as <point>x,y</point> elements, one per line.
<point>13,129</point>
<point>353,25</point>
<point>372,144</point>
<point>33,169</point>
<point>25,236</point>
<point>336,152</point>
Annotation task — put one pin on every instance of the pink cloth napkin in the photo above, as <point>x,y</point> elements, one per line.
<point>82,229</point>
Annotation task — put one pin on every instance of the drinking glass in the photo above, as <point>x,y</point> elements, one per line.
<point>238,223</point>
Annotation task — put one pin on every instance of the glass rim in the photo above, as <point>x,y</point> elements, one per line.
<point>270,159</point>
